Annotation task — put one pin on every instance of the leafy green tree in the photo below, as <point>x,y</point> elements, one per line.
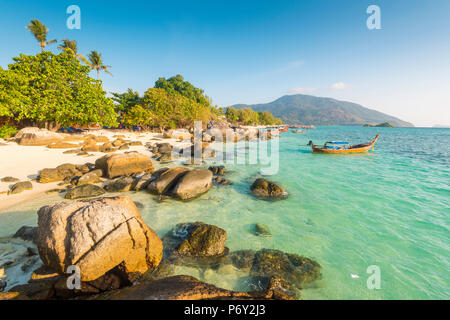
<point>95,63</point>
<point>124,101</point>
<point>176,84</point>
<point>39,31</point>
<point>52,90</point>
<point>138,115</point>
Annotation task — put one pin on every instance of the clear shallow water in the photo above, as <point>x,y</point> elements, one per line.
<point>388,208</point>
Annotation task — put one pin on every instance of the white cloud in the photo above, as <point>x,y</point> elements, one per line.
<point>339,86</point>
<point>301,90</point>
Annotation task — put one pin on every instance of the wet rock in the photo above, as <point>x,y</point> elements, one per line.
<point>142,182</point>
<point>84,191</point>
<point>196,240</point>
<point>115,165</point>
<point>173,288</point>
<point>97,235</point>
<point>267,189</point>
<point>193,184</point>
<point>19,187</point>
<point>217,170</point>
<point>121,184</point>
<point>166,157</point>
<point>261,230</point>
<point>219,181</point>
<point>242,259</point>
<point>9,179</point>
<point>26,233</point>
<point>3,285</point>
<point>139,205</point>
<point>296,270</point>
<point>166,180</point>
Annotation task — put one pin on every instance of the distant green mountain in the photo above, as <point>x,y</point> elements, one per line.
<point>305,109</point>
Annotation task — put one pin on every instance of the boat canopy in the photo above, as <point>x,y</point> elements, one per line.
<point>337,142</point>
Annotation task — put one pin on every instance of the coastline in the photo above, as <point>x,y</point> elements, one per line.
<point>25,162</point>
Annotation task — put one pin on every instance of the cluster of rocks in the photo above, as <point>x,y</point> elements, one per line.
<point>17,186</point>
<point>120,257</point>
<point>32,136</point>
<point>218,172</point>
<point>161,151</point>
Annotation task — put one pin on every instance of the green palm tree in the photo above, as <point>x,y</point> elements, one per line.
<point>71,47</point>
<point>95,63</point>
<point>39,31</point>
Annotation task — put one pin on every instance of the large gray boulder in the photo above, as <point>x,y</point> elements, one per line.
<point>97,235</point>
<point>167,180</point>
<point>193,184</point>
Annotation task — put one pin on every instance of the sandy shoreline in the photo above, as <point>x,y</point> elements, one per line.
<point>25,162</point>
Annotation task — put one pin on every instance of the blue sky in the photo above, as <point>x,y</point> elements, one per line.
<point>256,51</point>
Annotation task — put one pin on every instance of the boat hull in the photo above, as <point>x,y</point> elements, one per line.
<point>317,149</point>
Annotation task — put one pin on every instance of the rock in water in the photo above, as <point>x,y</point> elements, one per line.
<point>20,187</point>
<point>97,235</point>
<point>26,233</point>
<point>295,269</point>
<point>196,239</point>
<point>218,170</point>
<point>267,189</point>
<point>84,191</point>
<point>115,165</point>
<point>261,230</point>
<point>174,288</point>
<point>193,184</point>
<point>166,180</point>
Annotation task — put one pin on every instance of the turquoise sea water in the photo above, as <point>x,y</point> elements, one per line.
<point>389,208</point>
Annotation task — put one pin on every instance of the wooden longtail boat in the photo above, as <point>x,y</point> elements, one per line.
<point>285,129</point>
<point>334,147</point>
<point>299,131</point>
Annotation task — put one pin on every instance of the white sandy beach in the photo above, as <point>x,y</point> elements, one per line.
<point>25,162</point>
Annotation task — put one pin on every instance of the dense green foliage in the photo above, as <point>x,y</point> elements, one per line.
<point>125,101</point>
<point>52,90</point>
<point>248,116</point>
<point>176,84</point>
<point>7,131</point>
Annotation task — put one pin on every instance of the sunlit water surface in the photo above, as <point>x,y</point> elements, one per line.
<point>388,208</point>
